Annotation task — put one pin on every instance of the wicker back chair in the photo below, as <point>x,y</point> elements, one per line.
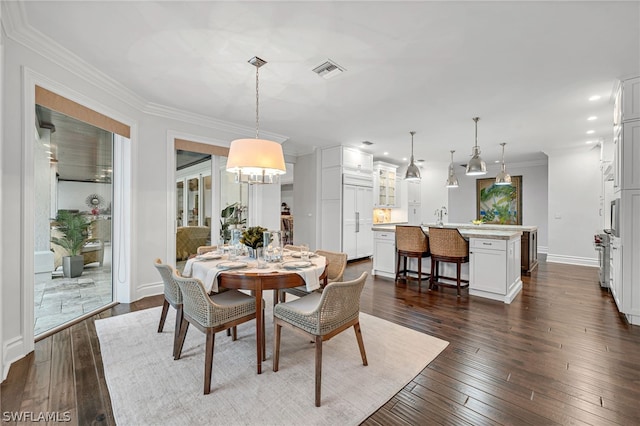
<point>411,242</point>
<point>321,316</point>
<point>447,245</point>
<point>336,265</point>
<point>211,314</point>
<point>173,297</point>
<point>205,249</point>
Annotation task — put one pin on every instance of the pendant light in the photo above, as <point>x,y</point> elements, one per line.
<point>256,160</point>
<point>413,172</point>
<point>476,167</point>
<point>452,180</point>
<point>503,177</point>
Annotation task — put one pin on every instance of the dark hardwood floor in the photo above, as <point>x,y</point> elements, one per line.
<point>559,354</point>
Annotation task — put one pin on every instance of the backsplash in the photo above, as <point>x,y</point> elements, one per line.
<point>381,216</point>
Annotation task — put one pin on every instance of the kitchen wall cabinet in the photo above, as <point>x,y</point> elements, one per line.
<point>494,268</point>
<point>625,249</point>
<point>384,184</point>
<point>346,201</point>
<point>384,254</point>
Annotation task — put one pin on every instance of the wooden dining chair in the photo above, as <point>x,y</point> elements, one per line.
<point>320,316</point>
<point>172,297</point>
<point>211,314</point>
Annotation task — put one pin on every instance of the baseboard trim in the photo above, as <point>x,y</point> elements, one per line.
<point>13,351</point>
<point>151,289</point>
<point>572,260</point>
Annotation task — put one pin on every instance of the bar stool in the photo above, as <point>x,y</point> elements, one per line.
<point>447,245</point>
<point>411,242</point>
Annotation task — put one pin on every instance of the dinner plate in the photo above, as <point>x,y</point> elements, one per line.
<point>231,265</point>
<point>298,255</point>
<point>296,264</point>
<point>209,256</point>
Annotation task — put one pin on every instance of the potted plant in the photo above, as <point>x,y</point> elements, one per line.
<point>253,238</point>
<point>72,229</point>
<point>230,217</point>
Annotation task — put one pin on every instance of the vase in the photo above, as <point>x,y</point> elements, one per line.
<point>254,253</point>
<point>72,266</point>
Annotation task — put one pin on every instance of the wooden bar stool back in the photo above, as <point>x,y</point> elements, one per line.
<point>447,245</point>
<point>411,242</point>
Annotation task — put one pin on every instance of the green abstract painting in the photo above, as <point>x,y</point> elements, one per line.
<point>499,204</point>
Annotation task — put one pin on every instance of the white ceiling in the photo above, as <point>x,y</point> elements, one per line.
<point>526,69</point>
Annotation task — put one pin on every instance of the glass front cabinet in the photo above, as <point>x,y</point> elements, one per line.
<point>384,175</point>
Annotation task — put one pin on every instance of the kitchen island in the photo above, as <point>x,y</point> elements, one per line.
<point>528,242</point>
<point>493,270</point>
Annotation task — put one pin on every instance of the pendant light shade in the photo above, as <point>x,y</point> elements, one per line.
<point>503,178</point>
<point>452,180</point>
<point>256,160</point>
<point>413,172</point>
<point>476,167</point>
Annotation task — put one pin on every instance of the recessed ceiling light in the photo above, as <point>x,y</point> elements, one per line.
<point>593,117</point>
<point>404,158</point>
<point>496,161</point>
<point>590,132</point>
<point>386,153</point>
<point>594,98</point>
<point>589,142</point>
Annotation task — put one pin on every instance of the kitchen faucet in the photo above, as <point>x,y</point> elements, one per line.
<point>440,213</point>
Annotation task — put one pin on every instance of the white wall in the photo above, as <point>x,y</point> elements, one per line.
<point>306,215</point>
<point>3,371</point>
<point>574,199</point>
<point>462,200</point>
<point>434,194</point>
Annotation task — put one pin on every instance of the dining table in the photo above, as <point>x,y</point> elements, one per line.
<point>217,271</point>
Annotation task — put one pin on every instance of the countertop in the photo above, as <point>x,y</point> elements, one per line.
<point>497,227</point>
<point>473,231</point>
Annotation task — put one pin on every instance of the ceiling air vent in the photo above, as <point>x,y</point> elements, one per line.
<point>328,69</point>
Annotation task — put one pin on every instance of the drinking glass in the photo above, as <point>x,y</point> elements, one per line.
<point>304,251</point>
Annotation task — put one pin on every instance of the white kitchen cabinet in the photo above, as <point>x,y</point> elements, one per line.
<point>631,99</point>
<point>384,184</point>
<point>615,271</point>
<point>630,155</point>
<point>343,171</point>
<point>384,254</point>
<point>357,221</point>
<point>494,268</point>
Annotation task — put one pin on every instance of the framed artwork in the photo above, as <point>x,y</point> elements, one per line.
<point>499,204</point>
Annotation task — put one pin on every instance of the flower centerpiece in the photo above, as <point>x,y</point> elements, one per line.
<point>252,237</point>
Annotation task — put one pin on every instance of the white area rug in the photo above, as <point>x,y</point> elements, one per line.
<point>148,387</point>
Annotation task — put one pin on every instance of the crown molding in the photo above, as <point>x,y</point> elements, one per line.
<point>15,23</point>
<point>233,130</point>
<point>21,32</point>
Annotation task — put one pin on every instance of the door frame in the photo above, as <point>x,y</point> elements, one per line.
<point>122,216</point>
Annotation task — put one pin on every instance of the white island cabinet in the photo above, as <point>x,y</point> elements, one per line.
<point>493,270</point>
<point>384,254</point>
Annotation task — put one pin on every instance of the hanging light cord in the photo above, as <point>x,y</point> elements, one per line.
<point>476,120</point>
<point>257,103</point>
<point>412,133</point>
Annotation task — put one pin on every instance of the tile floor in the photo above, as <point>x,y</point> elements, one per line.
<point>60,299</point>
